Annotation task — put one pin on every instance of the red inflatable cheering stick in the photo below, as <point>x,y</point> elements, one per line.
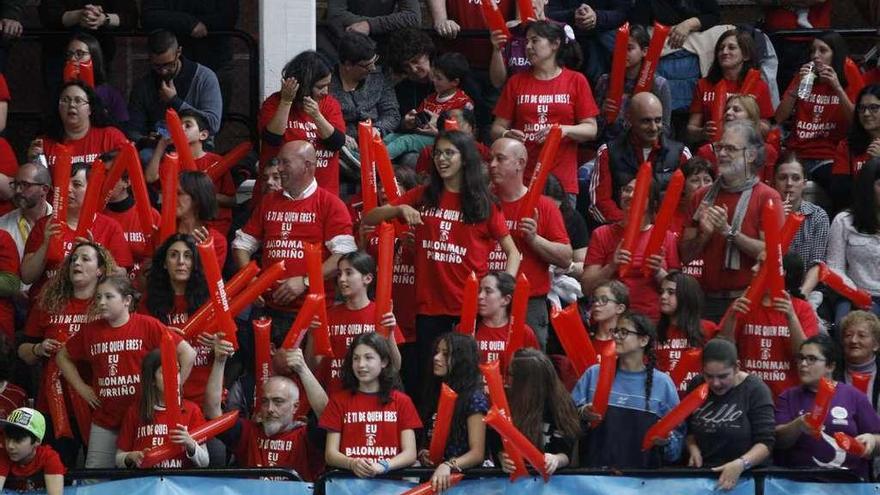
<point>443,423</point>
<point>645,81</point>
<point>229,160</point>
<point>309,310</point>
<point>671,198</point>
<point>690,362</point>
<point>849,444</point>
<point>170,172</point>
<point>492,374</point>
<point>368,170</point>
<point>315,269</point>
<point>661,429</point>
<point>518,309</point>
<point>170,380</point>
<point>836,283</point>
<point>816,417</point>
<point>181,143</point>
<point>92,202</point>
<point>262,355</point>
<point>636,215</point>
<point>468,323</point>
<point>200,434</point>
<point>750,82</point>
<point>770,216</point>
<point>80,71</point>
<point>607,370</point>
<point>427,489</point>
<point>546,162</point>
<point>60,191</point>
<point>494,19</point>
<point>384,275</point>
<point>222,317</point>
<point>618,72</point>
<point>526,11</point>
<point>574,338</point>
<point>860,381</point>
<point>517,440</point>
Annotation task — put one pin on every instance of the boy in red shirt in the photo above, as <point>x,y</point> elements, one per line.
<point>197,132</point>
<point>27,464</point>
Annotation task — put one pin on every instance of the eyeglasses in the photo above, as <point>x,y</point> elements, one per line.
<point>727,148</point>
<point>23,184</point>
<point>811,360</point>
<point>76,54</point>
<point>603,300</point>
<point>167,66</point>
<point>76,101</point>
<point>447,154</point>
<point>622,332</point>
<point>872,108</point>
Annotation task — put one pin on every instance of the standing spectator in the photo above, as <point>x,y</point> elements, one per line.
<point>374,18</point>
<point>540,235</point>
<point>812,237</point>
<point>173,81</point>
<point>30,187</point>
<point>82,48</point>
<point>799,446</point>
<point>860,335</point>
<point>820,121</point>
<point>567,101</point>
<point>861,144</point>
<point>733,430</point>
<point>305,110</point>
<point>726,229</point>
<point>318,216</point>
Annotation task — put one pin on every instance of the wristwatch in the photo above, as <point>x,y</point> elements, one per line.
<point>746,463</point>
<point>730,233</point>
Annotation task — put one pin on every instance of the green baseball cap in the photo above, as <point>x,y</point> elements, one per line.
<point>27,419</point>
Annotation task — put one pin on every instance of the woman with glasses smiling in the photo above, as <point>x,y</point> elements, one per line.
<point>850,413</point>
<point>862,144</point>
<point>82,124</point>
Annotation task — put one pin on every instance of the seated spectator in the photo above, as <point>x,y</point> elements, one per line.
<point>745,107</point>
<point>745,437</point>
<point>83,48</point>
<point>173,82</point>
<point>636,50</point>
<point>640,396</point>
<point>12,396</point>
<point>30,186</point>
<point>37,268</point>
<point>25,457</point>
<point>541,409</point>
<point>370,392</point>
<point>608,302</point>
<point>618,161</point>
<point>377,19</point>
<point>196,207</point>
<point>540,235</point>
<point>493,322</point>
<point>820,121</point>
<point>565,286</point>
<point>698,173</point>
<point>811,239</point>
<point>275,438</point>
<point>861,144</point>
<point>105,396</point>
<point>797,443</point>
<point>60,311</point>
<point>195,23</point>
<point>595,23</point>
<point>146,424</point>
<point>363,92</point>
<point>409,55</point>
<point>726,225</point>
<point>735,54</point>
<point>121,207</point>
<point>550,80</point>
<point>680,327</point>
<point>305,110</point>
<point>860,335</point>
<point>854,239</point>
<point>753,325</point>
<point>455,365</point>
<point>81,124</point>
<point>270,179</point>
<point>605,257</point>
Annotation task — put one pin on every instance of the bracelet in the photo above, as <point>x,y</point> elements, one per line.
<point>289,102</point>
<point>453,465</point>
<point>385,465</point>
<point>746,464</point>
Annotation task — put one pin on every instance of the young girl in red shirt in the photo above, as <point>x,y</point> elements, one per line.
<point>370,424</point>
<point>146,424</point>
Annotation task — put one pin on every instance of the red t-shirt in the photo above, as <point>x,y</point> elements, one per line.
<point>531,105</point>
<point>715,276</point>
<point>448,250</point>
<point>287,449</point>
<point>818,123</point>
<point>9,263</point>
<point>30,476</point>
<point>139,244</point>
<point>368,429</point>
<point>492,342</point>
<point>644,292</point>
<point>106,232</point>
<point>778,18</point>
<point>763,341</point>
<point>8,167</point>
<point>550,227</point>
<point>134,435</point>
<point>669,352</point>
<point>344,325</point>
<point>97,141</point>
<point>434,104</point>
<point>224,185</point>
<point>115,356</point>
<point>468,14</point>
<point>844,163</point>
<point>704,97</point>
<point>300,126</point>
<point>282,225</point>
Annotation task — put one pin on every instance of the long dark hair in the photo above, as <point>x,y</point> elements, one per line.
<point>839,52</point>
<point>95,52</point>
<point>150,395</point>
<point>308,68</point>
<point>569,52</point>
<point>689,297</point>
<point>201,189</point>
<point>463,376</point>
<point>476,199</point>
<point>389,380</point>
<point>364,264</point>
<point>646,328</point>
<point>535,388</point>
<point>864,206</point>
<point>98,116</point>
<point>746,46</point>
<point>858,138</point>
<point>160,301</point>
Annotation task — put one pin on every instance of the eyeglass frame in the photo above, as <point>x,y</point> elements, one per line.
<point>24,184</point>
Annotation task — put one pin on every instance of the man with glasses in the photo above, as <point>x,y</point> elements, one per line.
<point>30,188</point>
<point>175,82</point>
<point>726,226</point>
<point>618,161</point>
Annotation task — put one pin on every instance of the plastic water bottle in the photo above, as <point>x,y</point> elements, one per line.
<point>805,87</point>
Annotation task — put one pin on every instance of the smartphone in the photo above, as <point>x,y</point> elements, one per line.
<point>162,129</point>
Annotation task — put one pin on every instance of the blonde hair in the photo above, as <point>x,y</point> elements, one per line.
<point>58,291</point>
<point>859,316</point>
<point>750,105</point>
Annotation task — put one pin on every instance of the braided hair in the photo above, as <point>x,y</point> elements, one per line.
<point>644,327</point>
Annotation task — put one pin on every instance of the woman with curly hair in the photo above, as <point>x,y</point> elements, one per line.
<point>455,364</point>
<point>640,395</point>
<point>59,313</point>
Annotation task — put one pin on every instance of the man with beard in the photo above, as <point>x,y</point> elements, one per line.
<point>173,81</point>
<point>274,438</point>
<point>30,188</point>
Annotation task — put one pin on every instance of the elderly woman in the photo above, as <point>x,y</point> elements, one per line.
<point>860,335</point>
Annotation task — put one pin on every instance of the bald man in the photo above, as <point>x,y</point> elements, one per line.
<point>539,235</point>
<point>283,221</point>
<point>618,161</point>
